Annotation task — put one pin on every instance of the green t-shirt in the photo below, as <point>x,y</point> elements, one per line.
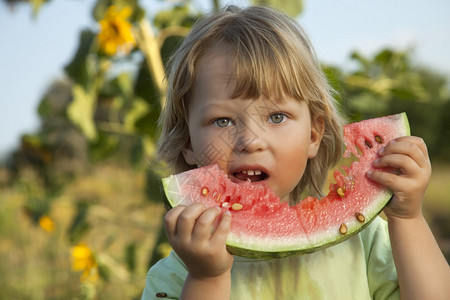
<point>361,267</point>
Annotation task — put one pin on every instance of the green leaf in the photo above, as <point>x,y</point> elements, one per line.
<point>334,76</point>
<point>37,206</point>
<point>149,148</point>
<point>54,103</point>
<point>138,11</point>
<point>290,7</point>
<point>124,84</point>
<point>146,89</point>
<point>147,124</point>
<point>139,108</point>
<point>169,46</point>
<point>404,93</point>
<point>368,104</point>
<point>78,68</point>
<point>179,15</point>
<point>100,9</point>
<point>154,188</point>
<point>144,86</point>
<point>363,63</point>
<point>104,146</point>
<point>80,225</point>
<point>130,256</point>
<point>81,111</point>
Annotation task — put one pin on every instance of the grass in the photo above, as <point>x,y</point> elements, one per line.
<point>121,227</point>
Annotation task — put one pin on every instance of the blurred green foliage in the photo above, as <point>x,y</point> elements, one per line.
<point>100,115</point>
<point>389,83</point>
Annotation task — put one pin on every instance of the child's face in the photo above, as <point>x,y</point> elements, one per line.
<point>261,140</point>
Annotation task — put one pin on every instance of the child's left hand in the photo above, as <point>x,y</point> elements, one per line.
<point>409,157</point>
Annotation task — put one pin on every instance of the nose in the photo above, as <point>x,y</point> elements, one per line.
<point>250,139</point>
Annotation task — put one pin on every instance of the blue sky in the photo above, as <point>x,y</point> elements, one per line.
<point>33,52</point>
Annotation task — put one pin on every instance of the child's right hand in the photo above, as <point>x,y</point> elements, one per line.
<point>199,244</point>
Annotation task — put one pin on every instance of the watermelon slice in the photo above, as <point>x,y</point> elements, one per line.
<point>264,227</point>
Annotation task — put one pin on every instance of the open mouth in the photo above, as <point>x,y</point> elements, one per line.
<point>252,175</point>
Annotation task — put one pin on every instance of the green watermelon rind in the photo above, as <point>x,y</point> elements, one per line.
<point>277,250</point>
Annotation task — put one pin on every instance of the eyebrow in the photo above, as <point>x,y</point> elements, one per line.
<point>267,105</point>
<point>215,106</point>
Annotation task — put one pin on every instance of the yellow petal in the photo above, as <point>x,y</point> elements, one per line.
<point>126,12</point>
<point>115,31</point>
<point>111,11</point>
<point>82,258</point>
<point>46,223</point>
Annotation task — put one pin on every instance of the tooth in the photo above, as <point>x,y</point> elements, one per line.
<point>244,172</point>
<point>250,172</point>
<point>257,172</point>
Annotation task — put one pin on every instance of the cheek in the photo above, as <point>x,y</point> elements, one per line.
<point>295,149</point>
<point>209,148</point>
<point>294,158</point>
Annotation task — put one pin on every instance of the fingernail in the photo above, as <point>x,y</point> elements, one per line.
<point>381,151</point>
<point>369,173</point>
<point>376,161</point>
<point>228,213</point>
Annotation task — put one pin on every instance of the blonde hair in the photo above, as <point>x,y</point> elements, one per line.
<point>266,44</point>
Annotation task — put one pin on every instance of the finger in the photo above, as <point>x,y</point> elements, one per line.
<point>408,150</point>
<point>411,146</point>
<point>392,181</point>
<point>419,142</point>
<point>187,219</point>
<point>404,163</point>
<point>223,228</point>
<point>204,224</point>
<point>171,218</point>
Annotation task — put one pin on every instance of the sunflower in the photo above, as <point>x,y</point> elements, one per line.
<point>116,32</point>
<point>83,260</point>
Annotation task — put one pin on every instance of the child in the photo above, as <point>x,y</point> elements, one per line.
<point>246,92</point>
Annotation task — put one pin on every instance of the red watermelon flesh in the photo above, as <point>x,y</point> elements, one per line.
<point>264,227</point>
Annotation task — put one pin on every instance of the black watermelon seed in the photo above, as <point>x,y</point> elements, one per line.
<point>379,139</point>
<point>161,295</point>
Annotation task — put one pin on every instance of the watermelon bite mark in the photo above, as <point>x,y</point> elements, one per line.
<point>264,227</point>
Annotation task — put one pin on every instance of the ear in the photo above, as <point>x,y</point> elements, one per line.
<point>317,129</point>
<point>188,154</point>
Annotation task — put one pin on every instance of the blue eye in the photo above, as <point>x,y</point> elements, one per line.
<point>277,118</point>
<point>223,122</point>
